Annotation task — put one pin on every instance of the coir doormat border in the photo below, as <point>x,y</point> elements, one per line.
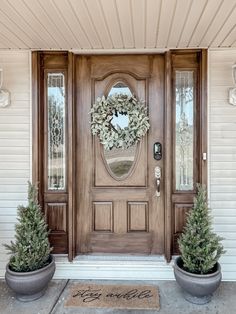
<point>139,297</point>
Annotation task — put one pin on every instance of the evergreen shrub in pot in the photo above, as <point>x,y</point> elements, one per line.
<point>31,265</point>
<point>197,269</point>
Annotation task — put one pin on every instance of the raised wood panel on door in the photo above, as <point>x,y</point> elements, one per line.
<point>55,214</point>
<point>103,216</point>
<point>180,211</point>
<point>119,216</point>
<point>137,216</point>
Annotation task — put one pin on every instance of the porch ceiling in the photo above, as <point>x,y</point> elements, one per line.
<point>94,25</point>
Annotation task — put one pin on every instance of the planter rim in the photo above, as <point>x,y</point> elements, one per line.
<point>21,273</point>
<point>218,270</point>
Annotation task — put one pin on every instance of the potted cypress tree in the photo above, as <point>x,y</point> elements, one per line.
<point>197,269</point>
<point>31,265</point>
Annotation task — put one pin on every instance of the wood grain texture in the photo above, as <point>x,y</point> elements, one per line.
<point>182,200</point>
<point>134,242</point>
<point>203,117</point>
<point>137,216</point>
<point>168,156</point>
<point>84,154</point>
<point>145,77</point>
<point>71,155</point>
<point>113,64</point>
<point>135,207</point>
<point>180,211</point>
<point>103,216</point>
<point>54,203</point>
<point>56,216</point>
<point>156,134</point>
<point>59,242</point>
<point>102,175</point>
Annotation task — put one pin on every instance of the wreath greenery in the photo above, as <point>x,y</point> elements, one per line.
<point>111,136</point>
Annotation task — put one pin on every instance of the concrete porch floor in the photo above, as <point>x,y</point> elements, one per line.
<point>171,300</point>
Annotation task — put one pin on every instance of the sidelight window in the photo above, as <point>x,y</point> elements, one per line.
<point>184,130</point>
<point>56,159</point>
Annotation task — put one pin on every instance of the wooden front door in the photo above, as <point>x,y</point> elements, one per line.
<point>117,208</point>
<point>96,201</point>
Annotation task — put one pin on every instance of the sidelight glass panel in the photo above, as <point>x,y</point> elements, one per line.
<point>56,131</point>
<point>184,128</point>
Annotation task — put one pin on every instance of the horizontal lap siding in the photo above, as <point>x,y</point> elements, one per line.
<point>222,149</point>
<point>14,143</point>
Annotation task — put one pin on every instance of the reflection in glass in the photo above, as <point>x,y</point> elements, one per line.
<point>120,121</point>
<point>120,160</point>
<point>120,88</point>
<point>56,130</point>
<point>184,97</point>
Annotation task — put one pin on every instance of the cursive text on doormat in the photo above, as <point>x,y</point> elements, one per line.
<point>113,296</point>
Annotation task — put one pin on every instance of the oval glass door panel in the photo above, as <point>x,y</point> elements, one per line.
<point>120,161</point>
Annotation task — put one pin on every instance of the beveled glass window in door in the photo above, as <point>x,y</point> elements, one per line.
<point>184,129</point>
<point>120,161</point>
<point>56,131</point>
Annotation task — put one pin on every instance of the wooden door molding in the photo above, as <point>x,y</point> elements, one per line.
<point>168,156</point>
<point>177,204</point>
<point>71,155</point>
<point>61,208</point>
<point>112,66</point>
<point>114,215</point>
<point>57,205</point>
<point>203,116</point>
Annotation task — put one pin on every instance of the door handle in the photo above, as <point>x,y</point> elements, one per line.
<point>158,180</point>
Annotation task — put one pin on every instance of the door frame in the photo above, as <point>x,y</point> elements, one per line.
<point>202,134</point>
<point>42,60</point>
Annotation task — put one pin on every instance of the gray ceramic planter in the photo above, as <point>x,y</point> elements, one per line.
<point>198,289</point>
<point>30,286</point>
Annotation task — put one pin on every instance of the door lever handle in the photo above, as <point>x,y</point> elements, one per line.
<point>158,187</point>
<point>158,181</point>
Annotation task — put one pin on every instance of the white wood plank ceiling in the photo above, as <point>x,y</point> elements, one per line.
<point>111,25</point>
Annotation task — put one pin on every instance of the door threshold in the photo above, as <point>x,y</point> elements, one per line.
<point>114,267</point>
<point>119,257</point>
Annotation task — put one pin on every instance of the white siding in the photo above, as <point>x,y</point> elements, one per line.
<point>222,151</point>
<point>15,145</point>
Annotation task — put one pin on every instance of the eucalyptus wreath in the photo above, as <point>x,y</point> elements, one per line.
<point>111,136</point>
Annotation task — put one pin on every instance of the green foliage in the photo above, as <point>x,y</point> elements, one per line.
<point>102,113</point>
<point>200,247</point>
<point>31,248</point>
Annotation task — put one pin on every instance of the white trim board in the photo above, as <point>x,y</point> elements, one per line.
<point>114,267</point>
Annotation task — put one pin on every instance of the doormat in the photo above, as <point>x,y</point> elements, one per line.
<point>114,296</point>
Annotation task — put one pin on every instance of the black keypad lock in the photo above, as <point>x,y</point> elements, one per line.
<point>157,151</point>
